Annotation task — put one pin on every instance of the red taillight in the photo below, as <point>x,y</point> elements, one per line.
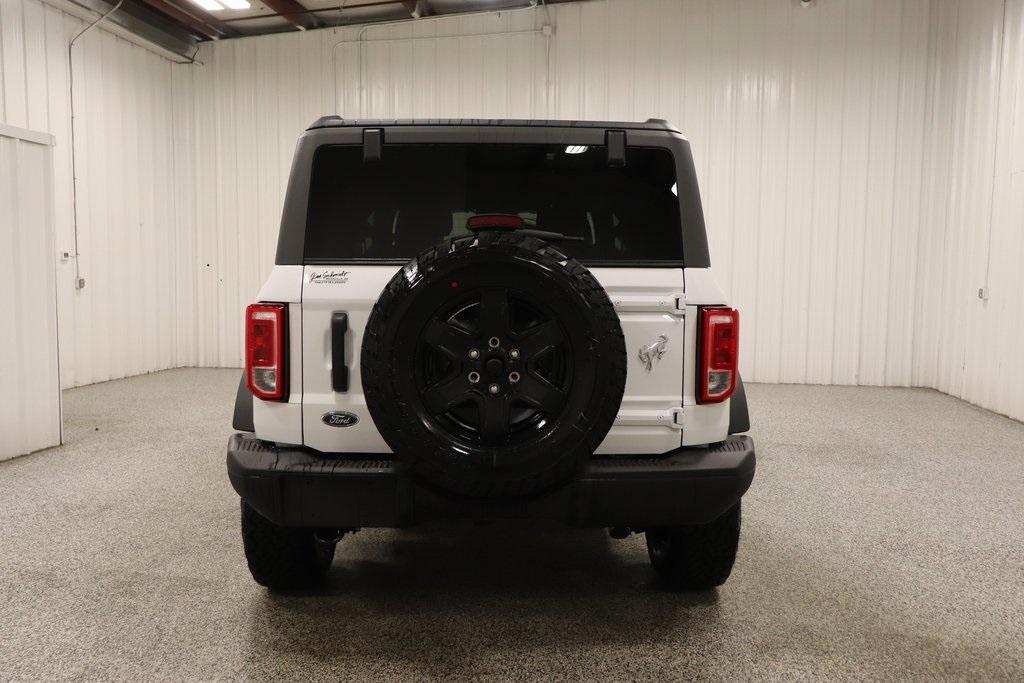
<point>495,221</point>
<point>265,372</point>
<point>719,359</point>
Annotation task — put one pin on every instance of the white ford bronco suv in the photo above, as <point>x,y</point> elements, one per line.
<point>491,319</point>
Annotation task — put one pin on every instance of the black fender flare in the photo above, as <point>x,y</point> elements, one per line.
<point>739,416</point>
<point>242,420</point>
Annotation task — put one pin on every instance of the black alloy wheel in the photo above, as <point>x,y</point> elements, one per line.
<point>493,368</point>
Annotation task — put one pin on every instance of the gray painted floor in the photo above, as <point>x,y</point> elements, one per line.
<point>883,538</point>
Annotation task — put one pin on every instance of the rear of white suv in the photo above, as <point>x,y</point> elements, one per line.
<point>497,319</point>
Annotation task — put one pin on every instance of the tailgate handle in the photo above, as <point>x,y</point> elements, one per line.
<point>339,370</point>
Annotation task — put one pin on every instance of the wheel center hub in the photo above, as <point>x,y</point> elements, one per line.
<point>494,367</point>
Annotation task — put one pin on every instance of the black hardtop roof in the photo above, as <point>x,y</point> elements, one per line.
<point>338,122</point>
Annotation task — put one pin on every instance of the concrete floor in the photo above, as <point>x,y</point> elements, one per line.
<point>883,538</point>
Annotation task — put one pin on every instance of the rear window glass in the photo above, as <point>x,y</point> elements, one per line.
<point>417,195</point>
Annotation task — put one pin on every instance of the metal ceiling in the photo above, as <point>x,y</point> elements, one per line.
<point>178,25</point>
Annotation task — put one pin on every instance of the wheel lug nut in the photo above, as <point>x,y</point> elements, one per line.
<point>494,388</point>
<point>494,342</point>
<point>513,377</point>
<point>474,377</point>
<point>514,354</point>
<point>473,354</point>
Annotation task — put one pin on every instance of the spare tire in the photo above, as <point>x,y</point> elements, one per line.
<point>493,365</point>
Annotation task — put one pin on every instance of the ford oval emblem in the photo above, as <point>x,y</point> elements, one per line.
<point>339,418</point>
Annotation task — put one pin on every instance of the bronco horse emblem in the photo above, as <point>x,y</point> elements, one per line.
<point>651,353</point>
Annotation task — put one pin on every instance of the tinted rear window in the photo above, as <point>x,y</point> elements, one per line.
<point>417,195</point>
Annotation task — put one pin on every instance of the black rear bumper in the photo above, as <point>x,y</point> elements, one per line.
<point>301,487</point>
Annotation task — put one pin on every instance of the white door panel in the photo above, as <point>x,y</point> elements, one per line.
<point>353,290</point>
<point>30,405</point>
<point>645,299</point>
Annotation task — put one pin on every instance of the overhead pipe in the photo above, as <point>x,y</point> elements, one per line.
<point>323,10</point>
<point>418,13</point>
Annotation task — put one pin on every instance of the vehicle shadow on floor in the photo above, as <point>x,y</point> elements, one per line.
<point>431,592</point>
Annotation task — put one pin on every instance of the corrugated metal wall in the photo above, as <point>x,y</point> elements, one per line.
<point>860,164</point>
<point>126,319</point>
<point>806,125</point>
<point>972,234</point>
<point>30,416</point>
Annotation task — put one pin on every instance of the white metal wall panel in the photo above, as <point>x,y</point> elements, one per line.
<point>860,166</point>
<point>805,122</point>
<point>995,371</point>
<point>123,322</point>
<point>972,234</point>
<point>30,414</point>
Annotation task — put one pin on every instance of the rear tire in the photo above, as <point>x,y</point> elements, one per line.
<point>696,557</point>
<point>283,558</point>
<point>438,347</point>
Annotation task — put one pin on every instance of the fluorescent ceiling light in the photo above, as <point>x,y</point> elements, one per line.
<point>235,4</point>
<point>575,149</point>
<point>209,5</point>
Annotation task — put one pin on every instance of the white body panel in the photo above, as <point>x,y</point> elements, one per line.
<point>275,421</point>
<point>706,423</point>
<point>658,411</point>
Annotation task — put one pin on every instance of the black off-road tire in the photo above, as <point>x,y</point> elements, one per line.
<point>696,557</point>
<point>283,558</point>
<point>391,337</point>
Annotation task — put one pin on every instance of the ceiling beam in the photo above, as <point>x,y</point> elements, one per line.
<point>194,19</point>
<point>209,19</point>
<point>415,8</point>
<point>365,5</point>
<point>294,13</point>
